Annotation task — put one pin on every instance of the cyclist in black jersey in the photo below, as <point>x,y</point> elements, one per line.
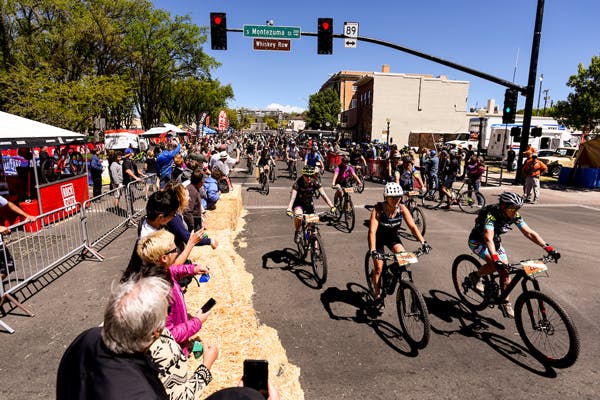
<point>301,201</point>
<point>386,218</point>
<point>485,241</point>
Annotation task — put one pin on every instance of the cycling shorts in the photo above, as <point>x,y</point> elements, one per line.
<point>386,239</point>
<point>306,208</point>
<point>482,251</point>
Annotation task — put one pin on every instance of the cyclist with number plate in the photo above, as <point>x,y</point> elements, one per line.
<point>386,218</point>
<point>485,241</point>
<point>264,161</point>
<point>301,201</point>
<point>293,153</point>
<point>343,176</point>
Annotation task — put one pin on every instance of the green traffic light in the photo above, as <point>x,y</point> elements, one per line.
<point>507,109</point>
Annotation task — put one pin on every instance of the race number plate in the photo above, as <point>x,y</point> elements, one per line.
<point>349,190</point>
<point>311,217</point>
<point>405,258</point>
<point>534,267</point>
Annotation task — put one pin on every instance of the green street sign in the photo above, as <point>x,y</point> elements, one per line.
<point>272,32</point>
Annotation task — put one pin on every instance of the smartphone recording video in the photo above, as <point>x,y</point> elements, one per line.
<point>256,376</point>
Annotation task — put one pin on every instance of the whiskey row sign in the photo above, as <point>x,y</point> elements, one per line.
<point>272,44</point>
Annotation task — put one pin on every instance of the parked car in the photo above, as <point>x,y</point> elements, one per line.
<point>562,157</point>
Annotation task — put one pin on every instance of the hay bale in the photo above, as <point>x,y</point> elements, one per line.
<point>233,325</point>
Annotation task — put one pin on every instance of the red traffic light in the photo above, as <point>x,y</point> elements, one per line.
<point>217,19</point>
<point>325,25</point>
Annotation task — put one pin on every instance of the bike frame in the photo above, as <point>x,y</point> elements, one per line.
<point>518,276</point>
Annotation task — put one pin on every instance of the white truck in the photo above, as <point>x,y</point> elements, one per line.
<point>497,138</point>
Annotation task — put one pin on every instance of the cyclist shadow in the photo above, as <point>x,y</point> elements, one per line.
<point>358,297</point>
<point>450,309</point>
<point>256,189</point>
<point>289,260</point>
<point>338,225</point>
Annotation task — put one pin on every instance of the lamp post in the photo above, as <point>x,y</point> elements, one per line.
<point>481,113</point>
<point>546,98</point>
<point>387,140</point>
<point>540,93</point>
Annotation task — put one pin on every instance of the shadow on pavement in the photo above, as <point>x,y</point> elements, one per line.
<point>290,260</point>
<point>358,297</point>
<point>449,309</point>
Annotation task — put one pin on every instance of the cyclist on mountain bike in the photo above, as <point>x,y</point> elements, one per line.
<point>301,201</point>
<point>314,158</point>
<point>343,176</point>
<point>264,161</point>
<point>292,153</point>
<point>484,240</point>
<point>386,218</point>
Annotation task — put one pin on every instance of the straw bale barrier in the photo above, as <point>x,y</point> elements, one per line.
<point>233,324</point>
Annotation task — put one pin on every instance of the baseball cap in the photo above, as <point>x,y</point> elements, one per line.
<point>129,150</point>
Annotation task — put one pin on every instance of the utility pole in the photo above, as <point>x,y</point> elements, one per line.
<point>535,50</point>
<point>546,98</point>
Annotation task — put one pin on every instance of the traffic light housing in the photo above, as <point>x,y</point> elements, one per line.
<point>536,131</point>
<point>325,36</point>
<point>509,111</point>
<point>515,132</point>
<point>218,31</point>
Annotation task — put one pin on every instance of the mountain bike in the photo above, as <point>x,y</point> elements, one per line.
<point>469,200</point>
<point>410,305</point>
<point>544,326</point>
<point>410,201</point>
<point>292,168</point>
<point>250,163</point>
<point>263,179</point>
<point>272,171</point>
<point>359,172</point>
<point>69,162</point>
<point>344,206</point>
<point>312,243</point>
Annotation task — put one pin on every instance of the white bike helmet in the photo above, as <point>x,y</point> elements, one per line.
<point>392,189</point>
<point>511,199</point>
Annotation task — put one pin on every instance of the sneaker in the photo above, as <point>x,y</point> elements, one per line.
<point>376,307</point>
<point>476,282</point>
<point>298,237</point>
<point>507,310</point>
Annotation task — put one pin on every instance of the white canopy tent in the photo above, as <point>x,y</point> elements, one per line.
<point>17,131</point>
<point>159,130</point>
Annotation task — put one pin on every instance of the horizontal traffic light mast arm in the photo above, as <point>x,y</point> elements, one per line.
<point>429,57</point>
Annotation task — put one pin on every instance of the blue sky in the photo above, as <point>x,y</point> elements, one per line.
<point>484,35</point>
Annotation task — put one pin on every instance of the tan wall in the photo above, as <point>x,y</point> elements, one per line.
<point>416,103</point>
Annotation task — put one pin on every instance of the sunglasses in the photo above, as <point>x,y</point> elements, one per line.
<point>173,250</point>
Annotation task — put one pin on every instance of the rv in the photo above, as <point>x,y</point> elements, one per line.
<point>496,135</point>
<point>121,139</point>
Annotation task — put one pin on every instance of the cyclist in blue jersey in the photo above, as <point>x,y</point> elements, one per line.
<point>484,240</point>
<point>314,159</point>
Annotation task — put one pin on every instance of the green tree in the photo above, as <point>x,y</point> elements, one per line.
<point>271,123</point>
<point>581,110</point>
<point>323,107</point>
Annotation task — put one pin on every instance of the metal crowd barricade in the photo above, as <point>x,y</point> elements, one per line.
<point>137,194</point>
<point>33,248</point>
<point>104,214</point>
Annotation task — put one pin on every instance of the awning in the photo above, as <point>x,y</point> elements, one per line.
<point>17,131</point>
<point>159,130</point>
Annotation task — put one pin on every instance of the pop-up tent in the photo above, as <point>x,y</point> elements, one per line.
<point>17,131</point>
<point>159,130</point>
<point>589,154</point>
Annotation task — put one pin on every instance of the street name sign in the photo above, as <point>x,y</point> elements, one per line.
<point>350,34</point>
<point>272,44</point>
<point>272,32</point>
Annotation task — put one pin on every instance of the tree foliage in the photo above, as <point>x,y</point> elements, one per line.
<point>581,110</point>
<point>323,107</point>
<point>67,62</point>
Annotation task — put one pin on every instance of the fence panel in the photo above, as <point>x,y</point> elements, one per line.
<point>104,214</point>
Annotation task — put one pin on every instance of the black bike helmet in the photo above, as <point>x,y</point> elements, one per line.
<point>308,170</point>
<point>511,199</point>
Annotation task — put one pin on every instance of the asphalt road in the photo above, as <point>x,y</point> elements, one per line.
<point>342,355</point>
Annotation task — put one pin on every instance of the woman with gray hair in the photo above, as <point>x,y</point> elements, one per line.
<point>111,362</point>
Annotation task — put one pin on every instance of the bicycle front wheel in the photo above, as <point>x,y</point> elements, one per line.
<point>349,215</point>
<point>360,188</point>
<point>419,217</point>
<point>546,329</point>
<point>471,203</point>
<point>337,215</point>
<point>413,314</point>
<point>369,268</point>
<point>318,259</point>
<point>462,269</point>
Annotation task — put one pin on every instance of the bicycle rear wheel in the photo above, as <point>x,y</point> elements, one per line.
<point>349,215</point>
<point>462,267</point>
<point>471,204</point>
<point>433,201</point>
<point>264,182</point>
<point>413,314</point>
<point>48,170</point>
<point>318,259</point>
<point>546,329</point>
<point>419,217</point>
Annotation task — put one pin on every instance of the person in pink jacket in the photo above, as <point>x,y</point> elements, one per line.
<point>158,253</point>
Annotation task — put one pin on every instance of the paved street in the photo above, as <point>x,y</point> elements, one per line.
<point>342,356</point>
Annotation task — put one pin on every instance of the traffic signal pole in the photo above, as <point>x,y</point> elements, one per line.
<point>535,49</point>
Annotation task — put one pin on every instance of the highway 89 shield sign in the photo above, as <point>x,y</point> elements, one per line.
<point>350,34</point>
